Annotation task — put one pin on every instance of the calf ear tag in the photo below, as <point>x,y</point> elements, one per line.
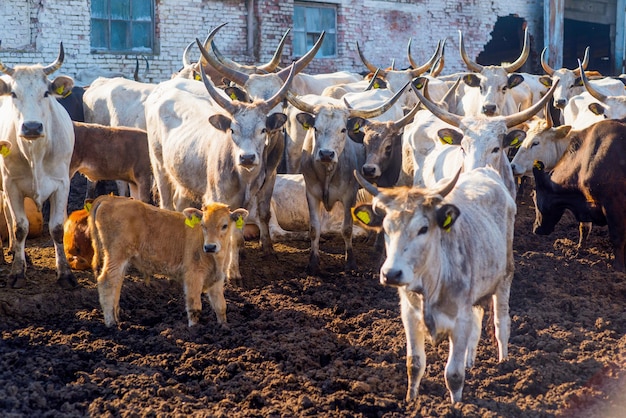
<point>446,223</point>
<point>88,207</point>
<point>4,150</point>
<point>239,222</point>
<point>193,221</point>
<point>364,217</point>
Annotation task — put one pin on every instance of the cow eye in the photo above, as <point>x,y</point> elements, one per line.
<point>534,144</point>
<point>496,149</point>
<point>388,149</point>
<point>224,227</point>
<point>13,95</point>
<point>423,230</point>
<point>46,94</point>
<point>343,131</point>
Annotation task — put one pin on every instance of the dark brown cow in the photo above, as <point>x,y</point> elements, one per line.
<point>590,181</point>
<point>113,153</point>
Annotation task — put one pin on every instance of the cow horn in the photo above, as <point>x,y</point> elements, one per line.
<point>444,115</point>
<point>299,104</point>
<point>447,188</point>
<point>438,65</point>
<point>371,189</point>
<point>304,60</point>
<point>372,113</point>
<point>397,125</point>
<point>49,69</point>
<point>280,94</point>
<point>186,62</point>
<point>546,67</point>
<point>526,114</point>
<point>371,67</point>
<point>372,81</point>
<point>577,71</point>
<point>6,70</point>
<point>511,68</point>
<point>595,93</point>
<point>420,69</point>
<point>271,66</point>
<point>548,115</point>
<point>222,101</point>
<point>236,76</point>
<point>471,65</point>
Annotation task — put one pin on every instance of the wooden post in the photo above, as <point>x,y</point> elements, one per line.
<point>553,19</point>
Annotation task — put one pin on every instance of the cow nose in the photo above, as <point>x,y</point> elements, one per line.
<point>369,170</point>
<point>560,104</point>
<point>210,248</point>
<point>32,128</point>
<point>489,109</point>
<point>392,277</point>
<point>247,159</point>
<point>327,155</point>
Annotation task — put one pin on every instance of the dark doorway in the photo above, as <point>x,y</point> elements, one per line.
<point>507,41</point>
<point>578,35</point>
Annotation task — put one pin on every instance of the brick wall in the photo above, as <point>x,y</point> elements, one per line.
<point>31,32</point>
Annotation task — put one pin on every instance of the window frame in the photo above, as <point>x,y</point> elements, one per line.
<point>152,49</point>
<point>329,32</point>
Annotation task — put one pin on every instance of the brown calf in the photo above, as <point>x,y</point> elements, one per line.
<point>192,246</point>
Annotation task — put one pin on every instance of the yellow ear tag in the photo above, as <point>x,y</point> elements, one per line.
<point>193,221</point>
<point>538,165</point>
<point>356,128</point>
<point>233,96</point>
<point>239,222</point>
<point>515,142</point>
<point>197,77</point>
<point>364,217</point>
<point>59,90</point>
<point>447,140</point>
<point>446,223</point>
<point>88,207</point>
<point>4,150</point>
<point>376,85</point>
<point>306,125</point>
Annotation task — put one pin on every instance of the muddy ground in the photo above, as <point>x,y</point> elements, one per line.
<point>329,346</point>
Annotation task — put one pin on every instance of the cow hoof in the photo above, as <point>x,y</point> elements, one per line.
<point>67,281</point>
<point>17,281</point>
<point>313,270</point>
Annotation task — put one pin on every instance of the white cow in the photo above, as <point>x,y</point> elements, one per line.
<point>449,250</point>
<point>41,135</point>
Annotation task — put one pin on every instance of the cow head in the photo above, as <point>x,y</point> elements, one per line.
<point>217,223</point>
<point>611,107</point>
<point>32,95</point>
<point>412,220</point>
<point>570,80</point>
<point>547,211</point>
<point>494,80</point>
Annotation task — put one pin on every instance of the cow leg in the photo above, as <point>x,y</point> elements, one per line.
<point>455,367</point>
<point>193,284</point>
<point>215,293</point>
<point>164,187</point>
<point>109,288</point>
<point>415,350</point>
<point>236,241</point>
<point>313,267</point>
<point>474,338</point>
<point>122,188</point>
<point>58,214</point>
<point>501,317</point>
<point>346,232</point>
<point>17,214</point>
<point>617,236</point>
<point>584,229</point>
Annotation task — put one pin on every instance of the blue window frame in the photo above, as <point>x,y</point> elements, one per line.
<point>309,21</point>
<point>122,26</point>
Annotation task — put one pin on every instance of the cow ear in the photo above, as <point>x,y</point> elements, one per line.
<point>354,126</point>
<point>238,216</point>
<point>514,138</point>
<point>365,216</point>
<point>471,80</point>
<point>5,148</point>
<point>275,121</point>
<point>562,131</point>
<point>449,136</point>
<point>4,88</point>
<point>546,80</point>
<point>193,216</point>
<point>379,83</point>
<point>61,86</point>
<point>578,82</point>
<point>419,82</point>
<point>514,80</point>
<point>446,216</point>
<point>220,122</point>
<point>306,120</point>
<point>235,93</point>
<point>597,109</point>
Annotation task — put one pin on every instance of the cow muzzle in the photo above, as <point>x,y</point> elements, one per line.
<point>31,130</point>
<point>370,171</point>
<point>392,277</point>
<point>489,110</point>
<point>247,160</point>
<point>211,248</point>
<point>560,103</point>
<point>326,155</point>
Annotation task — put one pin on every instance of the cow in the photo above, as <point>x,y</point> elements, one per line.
<point>113,153</point>
<point>77,239</point>
<point>590,181</point>
<point>449,250</point>
<point>610,106</point>
<point>37,165</point>
<point>206,148</point>
<point>328,159</point>
<point>72,101</point>
<point>191,246</point>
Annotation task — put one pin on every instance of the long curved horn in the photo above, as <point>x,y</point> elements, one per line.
<point>439,64</point>
<point>444,115</point>
<point>280,94</point>
<point>299,104</point>
<point>236,76</point>
<point>546,67</point>
<point>6,69</point>
<point>584,64</point>
<point>222,101</point>
<point>186,62</point>
<point>397,125</point>
<point>471,65</point>
<point>271,66</point>
<point>372,81</point>
<point>514,66</point>
<point>371,189</point>
<point>526,114</point>
<point>420,69</point>
<point>447,188</point>
<point>304,60</point>
<point>371,67</point>
<point>592,90</point>
<point>548,115</point>
<point>372,113</point>
<point>49,69</point>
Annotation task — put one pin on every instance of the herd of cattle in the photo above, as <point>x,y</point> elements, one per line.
<point>273,150</point>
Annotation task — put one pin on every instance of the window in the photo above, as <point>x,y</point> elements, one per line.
<point>122,25</point>
<point>309,21</point>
